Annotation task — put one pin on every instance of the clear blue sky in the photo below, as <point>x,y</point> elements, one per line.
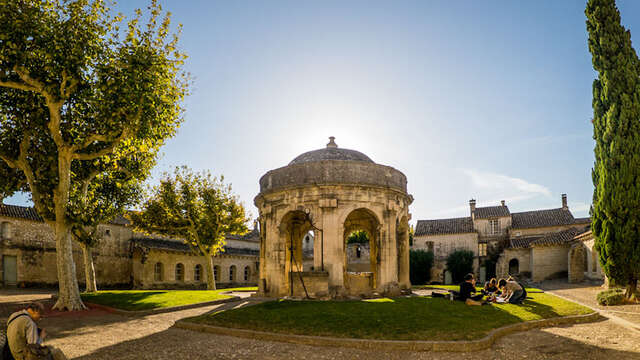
<point>490,100</point>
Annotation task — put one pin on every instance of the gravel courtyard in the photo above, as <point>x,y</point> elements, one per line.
<point>97,334</point>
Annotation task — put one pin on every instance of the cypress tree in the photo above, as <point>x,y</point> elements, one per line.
<point>616,127</point>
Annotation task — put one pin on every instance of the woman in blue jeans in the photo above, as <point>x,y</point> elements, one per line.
<point>511,291</point>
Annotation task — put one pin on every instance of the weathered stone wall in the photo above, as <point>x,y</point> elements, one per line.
<point>524,262</point>
<point>315,282</point>
<point>144,275</point>
<point>482,225</point>
<point>241,244</point>
<point>443,245</point>
<point>549,262</point>
<point>594,270</point>
<point>576,262</point>
<point>33,244</point>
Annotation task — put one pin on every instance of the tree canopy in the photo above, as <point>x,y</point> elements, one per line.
<point>77,93</point>
<point>616,130</point>
<point>196,207</point>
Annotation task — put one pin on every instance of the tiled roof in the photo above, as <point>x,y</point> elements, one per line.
<point>586,235</point>
<point>30,213</point>
<point>541,218</point>
<point>490,211</point>
<point>584,220</point>
<point>557,238</point>
<point>521,242</point>
<point>175,245</point>
<point>444,226</point>
<point>253,235</point>
<point>21,212</point>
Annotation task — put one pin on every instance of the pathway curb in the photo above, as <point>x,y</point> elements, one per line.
<point>605,313</point>
<point>369,344</point>
<point>161,310</point>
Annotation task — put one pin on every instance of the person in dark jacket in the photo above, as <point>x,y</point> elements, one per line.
<point>468,291</point>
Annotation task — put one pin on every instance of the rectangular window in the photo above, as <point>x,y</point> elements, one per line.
<point>482,249</point>
<point>494,227</point>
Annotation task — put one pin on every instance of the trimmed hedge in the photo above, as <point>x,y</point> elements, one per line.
<point>420,263</point>
<point>611,297</point>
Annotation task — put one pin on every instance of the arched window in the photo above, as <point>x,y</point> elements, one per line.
<point>232,271</point>
<point>5,230</point>
<point>514,267</point>
<point>179,272</point>
<point>358,251</point>
<point>197,273</point>
<point>158,271</point>
<point>247,273</point>
<point>216,272</point>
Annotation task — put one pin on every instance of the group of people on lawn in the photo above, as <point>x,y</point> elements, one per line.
<point>498,291</point>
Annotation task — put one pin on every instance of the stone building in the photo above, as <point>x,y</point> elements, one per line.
<point>122,258</point>
<point>333,192</point>
<point>531,244</point>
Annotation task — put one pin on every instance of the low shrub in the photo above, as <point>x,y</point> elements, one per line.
<point>460,263</point>
<point>420,263</point>
<point>611,297</point>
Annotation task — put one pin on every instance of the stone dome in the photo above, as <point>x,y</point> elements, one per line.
<point>331,152</point>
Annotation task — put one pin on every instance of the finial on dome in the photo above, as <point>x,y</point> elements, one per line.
<point>332,143</point>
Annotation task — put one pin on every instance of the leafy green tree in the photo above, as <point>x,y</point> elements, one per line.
<point>104,194</point>
<point>420,263</point>
<point>460,263</point>
<point>616,130</point>
<point>358,237</point>
<point>196,207</point>
<point>74,93</point>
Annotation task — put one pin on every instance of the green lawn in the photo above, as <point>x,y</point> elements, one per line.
<point>457,287</point>
<point>412,318</point>
<point>133,300</point>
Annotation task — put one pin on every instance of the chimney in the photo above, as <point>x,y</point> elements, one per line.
<point>332,143</point>
<point>564,202</point>
<point>502,202</point>
<point>472,206</point>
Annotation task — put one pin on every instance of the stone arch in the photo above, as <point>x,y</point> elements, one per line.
<point>366,220</point>
<point>293,227</point>
<point>216,272</point>
<point>247,273</point>
<point>158,272</point>
<point>577,264</point>
<point>232,273</point>
<point>197,273</point>
<point>179,272</point>
<point>514,266</point>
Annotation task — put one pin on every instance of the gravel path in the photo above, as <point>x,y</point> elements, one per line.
<point>96,334</point>
<point>586,294</point>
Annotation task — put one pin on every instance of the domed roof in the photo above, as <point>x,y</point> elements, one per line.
<point>331,152</point>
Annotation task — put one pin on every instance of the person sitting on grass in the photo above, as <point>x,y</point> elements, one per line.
<point>512,292</point>
<point>467,288</point>
<point>491,288</point>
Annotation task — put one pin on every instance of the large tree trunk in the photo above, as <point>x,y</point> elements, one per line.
<point>211,280</point>
<point>631,289</point>
<point>68,291</point>
<point>89,270</point>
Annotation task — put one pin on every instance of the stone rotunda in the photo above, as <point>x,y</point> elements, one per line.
<point>332,193</point>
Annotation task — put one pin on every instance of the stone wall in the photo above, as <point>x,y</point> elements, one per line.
<point>443,245</point>
<point>576,263</point>
<point>144,272</point>
<point>33,245</point>
<point>524,262</point>
<point>549,262</point>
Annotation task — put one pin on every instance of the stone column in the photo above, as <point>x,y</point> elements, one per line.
<point>333,243</point>
<point>388,253</point>
<point>403,258</point>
